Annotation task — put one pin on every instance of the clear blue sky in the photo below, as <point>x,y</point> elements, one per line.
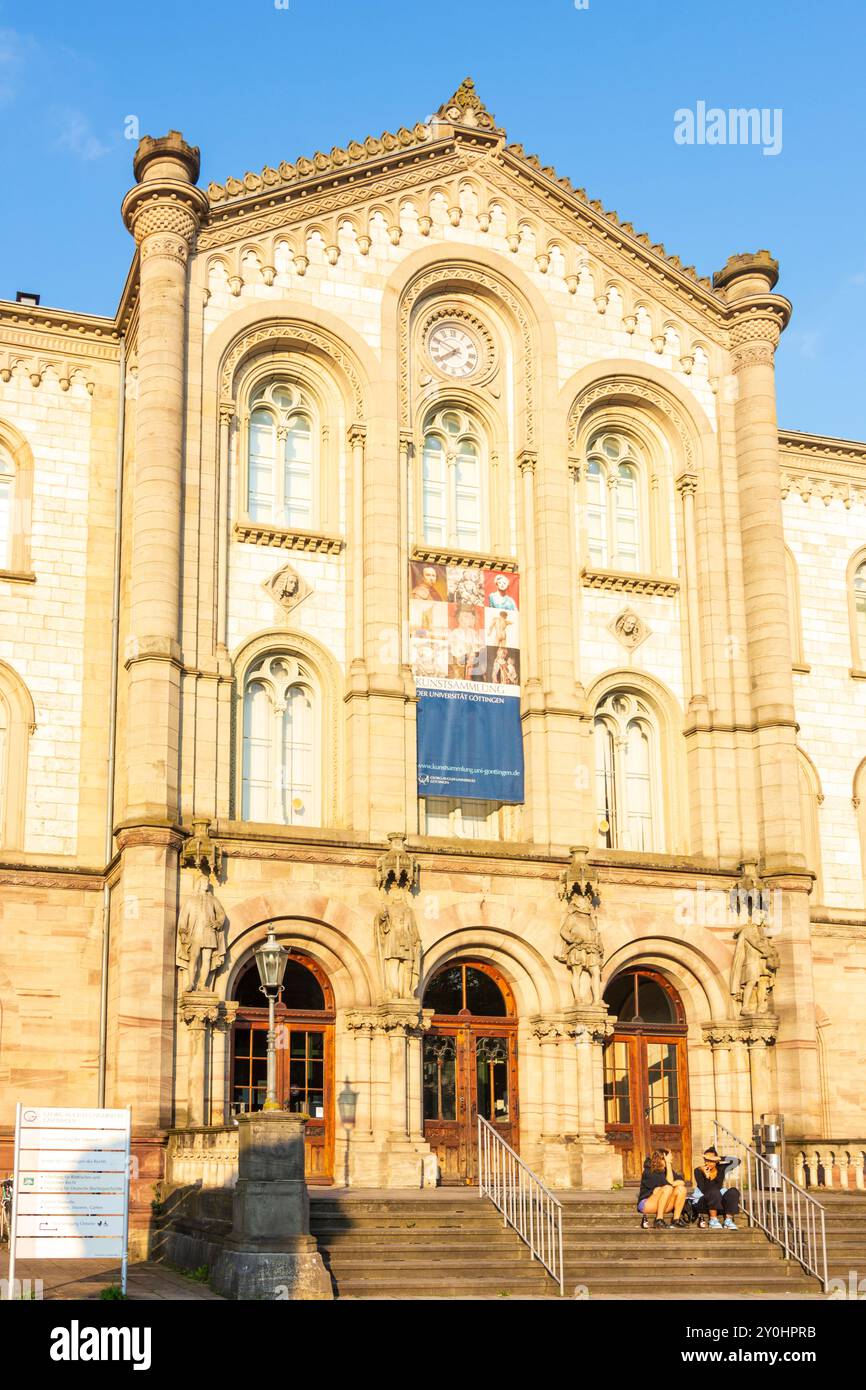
<point>592,91</point>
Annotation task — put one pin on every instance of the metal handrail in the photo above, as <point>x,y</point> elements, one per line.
<point>525,1203</point>
<point>783,1210</point>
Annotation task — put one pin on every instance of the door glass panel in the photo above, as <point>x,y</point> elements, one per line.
<point>617,1101</point>
<point>491,1060</point>
<point>483,995</point>
<point>662,1083</point>
<point>440,1079</point>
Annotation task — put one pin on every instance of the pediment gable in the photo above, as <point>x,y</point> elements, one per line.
<point>460,145</point>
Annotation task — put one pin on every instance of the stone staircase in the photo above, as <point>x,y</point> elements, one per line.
<point>448,1243</point>
<point>845,1223</point>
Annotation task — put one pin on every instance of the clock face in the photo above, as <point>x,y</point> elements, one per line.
<point>453,350</point>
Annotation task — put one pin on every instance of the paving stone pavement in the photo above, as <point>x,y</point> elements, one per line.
<point>84,1279</point>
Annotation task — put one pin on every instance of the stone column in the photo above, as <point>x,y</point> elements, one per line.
<point>744,1070</point>
<point>218,1109</point>
<point>163,212</point>
<point>574,1147</point>
<point>757,318</point>
<point>198,1009</point>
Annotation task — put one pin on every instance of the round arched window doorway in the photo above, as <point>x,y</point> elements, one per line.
<point>304,1054</point>
<point>470,1065</point>
<point>646,1077</point>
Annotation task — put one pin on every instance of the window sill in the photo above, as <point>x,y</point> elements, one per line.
<point>468,559</point>
<point>856,674</point>
<point>18,576</point>
<point>624,582</point>
<point>803,668</point>
<point>262,533</point>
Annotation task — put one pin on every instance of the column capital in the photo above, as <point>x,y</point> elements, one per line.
<point>165,198</point>
<point>754,1030</point>
<point>526,461</point>
<point>687,484</point>
<point>356,435</point>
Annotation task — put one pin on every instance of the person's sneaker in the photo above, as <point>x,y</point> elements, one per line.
<point>659,1225</point>
<point>715,1224</point>
<point>730,1224</point>
<point>680,1223</point>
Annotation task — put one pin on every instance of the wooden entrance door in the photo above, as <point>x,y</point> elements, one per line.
<point>304,1056</point>
<point>646,1081</point>
<point>469,1066</point>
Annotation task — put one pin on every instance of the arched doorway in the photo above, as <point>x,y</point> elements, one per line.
<point>304,1053</point>
<point>470,1065</point>
<point>646,1078</point>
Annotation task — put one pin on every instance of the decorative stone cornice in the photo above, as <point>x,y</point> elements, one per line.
<point>397,868</point>
<point>616,581</point>
<point>315,542</point>
<point>467,559</point>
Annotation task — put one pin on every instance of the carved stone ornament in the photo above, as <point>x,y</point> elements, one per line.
<point>400,1017</point>
<point>397,867</point>
<point>578,878</point>
<point>591,1023</point>
<point>630,629</point>
<point>751,1031</point>
<point>199,850</point>
<point>287,588</point>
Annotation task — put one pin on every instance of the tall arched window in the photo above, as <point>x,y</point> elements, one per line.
<point>794,611</point>
<point>281,743</point>
<point>7,495</point>
<point>453,481</point>
<point>17,722</point>
<point>860,615</point>
<point>628,782</point>
<point>282,468</point>
<point>614,501</point>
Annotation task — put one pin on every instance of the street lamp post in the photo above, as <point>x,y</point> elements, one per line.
<point>271,960</point>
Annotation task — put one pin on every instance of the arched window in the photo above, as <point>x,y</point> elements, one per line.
<point>7,497</point>
<point>859,615</point>
<point>281,743</point>
<point>628,783</point>
<point>282,471</point>
<point>16,725</point>
<point>453,481</point>
<point>798,660</point>
<point>614,503</point>
<point>811,798</point>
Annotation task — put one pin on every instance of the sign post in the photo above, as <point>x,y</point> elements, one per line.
<point>70,1195</point>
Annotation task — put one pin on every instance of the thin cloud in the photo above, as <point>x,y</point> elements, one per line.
<point>76,136</point>
<point>859,278</point>
<point>15,50</point>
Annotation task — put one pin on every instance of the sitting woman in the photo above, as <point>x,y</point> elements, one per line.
<point>661,1190</point>
<point>714,1198</point>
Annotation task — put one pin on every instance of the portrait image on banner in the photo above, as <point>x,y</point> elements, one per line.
<point>464,639</point>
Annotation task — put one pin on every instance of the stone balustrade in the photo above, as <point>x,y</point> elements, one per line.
<point>207,1155</point>
<point>838,1164</point>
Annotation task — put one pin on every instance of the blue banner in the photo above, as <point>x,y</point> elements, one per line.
<point>469,743</point>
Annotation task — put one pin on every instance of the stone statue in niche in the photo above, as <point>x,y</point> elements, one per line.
<point>398,944</point>
<point>287,588</point>
<point>630,629</point>
<point>581,949</point>
<point>200,937</point>
<point>753,969</point>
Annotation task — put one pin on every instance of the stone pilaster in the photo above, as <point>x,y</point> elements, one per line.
<point>757,318</point>
<point>744,1070</point>
<point>393,1151</point>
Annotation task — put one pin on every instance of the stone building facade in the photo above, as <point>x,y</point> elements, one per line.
<point>210,504</point>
